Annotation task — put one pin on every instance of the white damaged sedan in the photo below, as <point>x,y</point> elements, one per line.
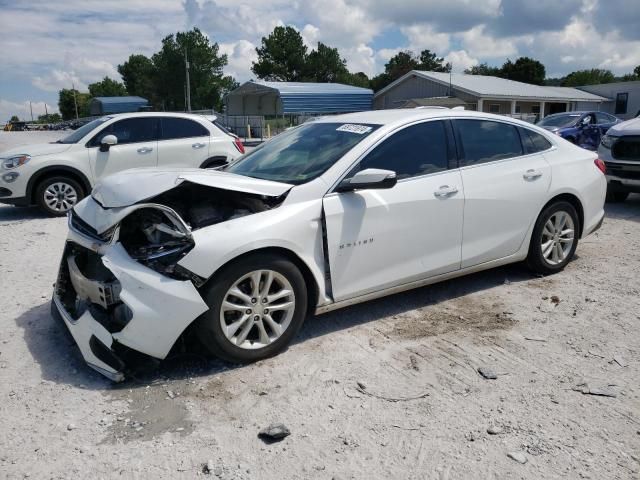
<point>334,212</point>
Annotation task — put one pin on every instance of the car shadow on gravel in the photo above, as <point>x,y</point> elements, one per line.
<point>627,210</point>
<point>16,214</point>
<point>60,361</point>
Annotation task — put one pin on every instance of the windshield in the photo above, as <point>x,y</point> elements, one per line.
<point>559,120</point>
<point>79,134</point>
<point>302,153</point>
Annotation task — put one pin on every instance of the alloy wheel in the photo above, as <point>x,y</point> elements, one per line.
<point>60,197</point>
<point>558,236</point>
<point>257,309</point>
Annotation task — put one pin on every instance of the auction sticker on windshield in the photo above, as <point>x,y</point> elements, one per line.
<point>353,128</point>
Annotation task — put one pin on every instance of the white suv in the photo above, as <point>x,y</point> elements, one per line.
<point>58,175</point>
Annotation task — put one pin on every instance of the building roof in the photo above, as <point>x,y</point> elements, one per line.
<point>307,97</point>
<point>121,99</point>
<point>495,87</point>
<point>432,102</point>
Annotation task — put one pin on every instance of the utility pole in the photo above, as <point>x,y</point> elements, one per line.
<point>31,108</point>
<point>186,66</point>
<point>75,102</point>
<point>46,112</point>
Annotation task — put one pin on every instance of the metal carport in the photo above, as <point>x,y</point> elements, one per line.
<point>287,98</point>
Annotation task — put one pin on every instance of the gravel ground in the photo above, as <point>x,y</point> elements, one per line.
<point>387,389</point>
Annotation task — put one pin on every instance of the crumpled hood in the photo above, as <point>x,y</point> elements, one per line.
<point>37,150</point>
<point>132,186</point>
<point>630,127</point>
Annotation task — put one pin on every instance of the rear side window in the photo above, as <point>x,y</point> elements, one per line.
<point>533,142</point>
<point>604,118</point>
<point>130,130</point>
<point>486,141</point>
<point>416,150</point>
<point>181,128</point>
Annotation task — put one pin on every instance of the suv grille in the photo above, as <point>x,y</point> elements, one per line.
<point>626,148</point>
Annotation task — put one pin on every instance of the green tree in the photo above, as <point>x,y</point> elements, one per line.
<point>324,64</point>
<point>483,69</point>
<point>139,76</point>
<point>282,56</point>
<point>588,77</point>
<point>430,62</point>
<point>66,103</point>
<point>207,81</point>
<point>358,79</point>
<point>107,88</point>
<point>49,118</point>
<point>524,69</point>
<point>380,81</point>
<point>14,118</point>
<point>400,64</point>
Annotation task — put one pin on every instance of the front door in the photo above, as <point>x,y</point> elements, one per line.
<point>136,147</point>
<point>381,238</point>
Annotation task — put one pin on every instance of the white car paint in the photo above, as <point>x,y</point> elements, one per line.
<point>89,164</point>
<point>375,242</point>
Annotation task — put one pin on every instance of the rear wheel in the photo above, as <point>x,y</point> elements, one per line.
<point>58,195</point>
<point>256,306</point>
<point>616,196</point>
<point>554,239</point>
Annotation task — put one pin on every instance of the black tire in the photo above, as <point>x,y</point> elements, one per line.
<point>535,259</point>
<point>209,327</point>
<point>41,194</point>
<point>614,196</point>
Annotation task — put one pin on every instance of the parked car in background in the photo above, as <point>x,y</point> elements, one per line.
<point>582,128</point>
<point>56,176</point>
<point>331,213</point>
<point>620,150</point>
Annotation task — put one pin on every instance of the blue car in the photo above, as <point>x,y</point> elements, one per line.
<point>582,128</point>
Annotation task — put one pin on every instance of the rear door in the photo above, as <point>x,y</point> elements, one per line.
<point>183,143</point>
<point>136,147</point>
<point>381,238</point>
<point>505,183</point>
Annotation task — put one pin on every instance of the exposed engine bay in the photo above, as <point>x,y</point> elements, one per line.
<point>159,233</point>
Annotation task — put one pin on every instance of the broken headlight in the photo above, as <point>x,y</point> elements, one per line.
<point>157,238</point>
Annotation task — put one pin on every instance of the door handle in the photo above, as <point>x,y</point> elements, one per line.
<point>532,174</point>
<point>145,150</point>
<point>198,145</point>
<point>445,191</point>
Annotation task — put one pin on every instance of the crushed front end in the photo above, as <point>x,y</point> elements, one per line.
<point>120,289</point>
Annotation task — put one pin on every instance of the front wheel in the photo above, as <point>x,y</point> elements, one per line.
<point>554,239</point>
<point>58,195</point>
<point>256,306</point>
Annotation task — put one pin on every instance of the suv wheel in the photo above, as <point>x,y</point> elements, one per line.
<point>256,306</point>
<point>554,239</point>
<point>58,195</point>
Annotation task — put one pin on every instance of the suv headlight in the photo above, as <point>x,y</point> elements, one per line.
<point>15,161</point>
<point>607,141</point>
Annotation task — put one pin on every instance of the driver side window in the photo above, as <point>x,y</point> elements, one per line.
<point>130,130</point>
<point>415,150</point>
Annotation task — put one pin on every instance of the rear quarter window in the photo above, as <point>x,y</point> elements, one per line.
<point>533,142</point>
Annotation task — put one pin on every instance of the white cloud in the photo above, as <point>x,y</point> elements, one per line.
<point>23,111</point>
<point>240,55</point>
<point>310,34</point>
<point>423,36</point>
<point>360,59</point>
<point>460,60</point>
<point>480,44</point>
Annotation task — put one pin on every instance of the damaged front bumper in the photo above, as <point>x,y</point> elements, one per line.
<point>112,304</point>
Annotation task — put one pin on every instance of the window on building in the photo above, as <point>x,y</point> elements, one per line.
<point>518,110</point>
<point>535,109</point>
<point>621,103</point>
<point>494,108</point>
<point>416,150</point>
<point>486,141</point>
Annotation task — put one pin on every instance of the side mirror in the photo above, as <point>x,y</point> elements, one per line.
<point>107,141</point>
<point>370,178</point>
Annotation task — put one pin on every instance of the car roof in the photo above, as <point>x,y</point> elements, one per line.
<point>161,114</point>
<point>400,116</point>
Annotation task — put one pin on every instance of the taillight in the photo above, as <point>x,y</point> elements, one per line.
<point>238,143</point>
<point>600,164</point>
